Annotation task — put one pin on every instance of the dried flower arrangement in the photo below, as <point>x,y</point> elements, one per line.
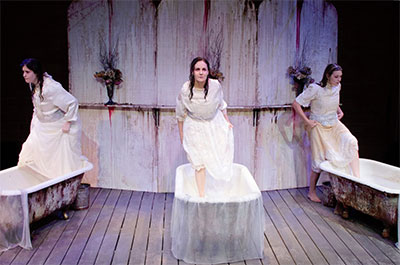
<point>301,77</point>
<point>213,53</point>
<point>110,76</point>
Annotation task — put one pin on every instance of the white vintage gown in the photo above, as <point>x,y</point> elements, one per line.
<point>207,138</point>
<point>227,225</point>
<point>48,150</point>
<point>331,140</point>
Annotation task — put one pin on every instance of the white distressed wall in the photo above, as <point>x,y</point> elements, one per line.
<point>155,46</point>
<point>129,151</point>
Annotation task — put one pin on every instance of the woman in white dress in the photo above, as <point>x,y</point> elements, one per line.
<point>329,138</point>
<point>53,147</point>
<point>204,127</point>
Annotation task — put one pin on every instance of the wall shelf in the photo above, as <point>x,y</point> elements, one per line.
<point>144,107</point>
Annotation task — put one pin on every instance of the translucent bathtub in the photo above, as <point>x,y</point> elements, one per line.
<point>227,225</point>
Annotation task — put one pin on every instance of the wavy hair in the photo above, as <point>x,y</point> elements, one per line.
<point>35,66</point>
<point>191,76</point>
<point>328,72</point>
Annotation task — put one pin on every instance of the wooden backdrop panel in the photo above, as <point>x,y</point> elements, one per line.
<point>136,146</point>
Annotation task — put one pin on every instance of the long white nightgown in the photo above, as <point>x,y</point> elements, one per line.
<point>49,150</point>
<point>331,140</point>
<point>207,138</point>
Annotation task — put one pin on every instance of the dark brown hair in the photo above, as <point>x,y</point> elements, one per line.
<point>35,66</point>
<point>328,72</point>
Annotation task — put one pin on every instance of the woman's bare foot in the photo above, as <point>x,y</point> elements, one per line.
<point>313,197</point>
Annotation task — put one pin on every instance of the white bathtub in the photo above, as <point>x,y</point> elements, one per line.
<point>27,196</point>
<point>375,193</point>
<point>225,226</point>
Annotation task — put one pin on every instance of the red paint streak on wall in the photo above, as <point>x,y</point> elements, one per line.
<point>205,17</point>
<point>110,112</point>
<point>298,20</point>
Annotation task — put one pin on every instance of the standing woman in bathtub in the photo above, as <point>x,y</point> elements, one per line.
<point>329,138</point>
<point>204,127</point>
<point>53,147</point>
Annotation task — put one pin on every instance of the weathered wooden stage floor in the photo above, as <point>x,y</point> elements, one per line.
<point>128,227</point>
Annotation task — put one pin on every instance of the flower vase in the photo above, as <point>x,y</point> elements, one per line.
<point>110,93</point>
<point>299,85</point>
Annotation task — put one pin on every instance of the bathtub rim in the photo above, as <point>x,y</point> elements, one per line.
<point>87,166</point>
<point>326,166</point>
<point>196,199</point>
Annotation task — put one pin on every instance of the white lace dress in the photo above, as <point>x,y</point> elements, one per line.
<point>207,138</point>
<point>48,150</point>
<point>331,140</point>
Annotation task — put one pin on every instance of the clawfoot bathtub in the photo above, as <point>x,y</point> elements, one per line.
<point>375,193</point>
<point>27,196</point>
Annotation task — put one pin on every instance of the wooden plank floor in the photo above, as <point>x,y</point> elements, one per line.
<point>129,227</point>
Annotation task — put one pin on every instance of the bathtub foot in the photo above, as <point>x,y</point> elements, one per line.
<point>341,210</point>
<point>62,215</point>
<point>345,213</point>
<point>386,232</point>
<point>338,208</point>
<point>65,215</point>
<point>328,198</point>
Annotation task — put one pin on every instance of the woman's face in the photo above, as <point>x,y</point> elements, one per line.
<point>335,78</point>
<point>200,72</point>
<point>29,75</point>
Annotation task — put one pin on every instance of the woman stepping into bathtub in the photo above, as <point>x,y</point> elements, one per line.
<point>53,147</point>
<point>204,127</point>
<point>330,139</point>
